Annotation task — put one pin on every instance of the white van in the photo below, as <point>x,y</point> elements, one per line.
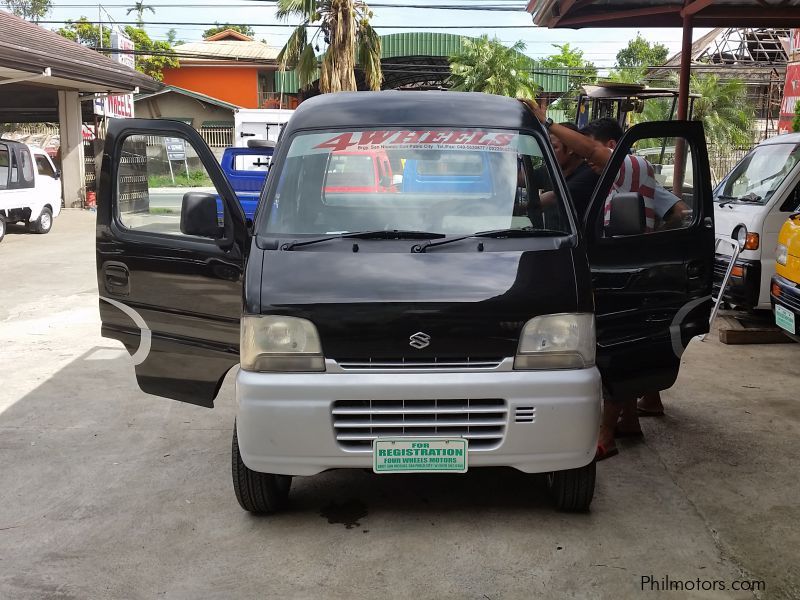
<point>30,190</point>
<point>750,205</point>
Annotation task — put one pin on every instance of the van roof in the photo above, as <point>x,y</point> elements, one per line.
<point>394,108</point>
<point>786,138</point>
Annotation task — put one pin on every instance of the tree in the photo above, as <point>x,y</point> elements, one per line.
<point>162,57</point>
<point>30,10</point>
<point>486,65</point>
<point>243,29</point>
<point>633,60</point>
<point>581,72</point>
<point>723,108</point>
<point>140,8</point>
<point>796,120</point>
<point>345,28</point>
<point>641,53</point>
<point>88,34</point>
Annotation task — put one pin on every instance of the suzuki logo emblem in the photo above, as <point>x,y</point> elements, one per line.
<point>419,340</point>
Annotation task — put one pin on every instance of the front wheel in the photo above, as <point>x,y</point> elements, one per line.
<point>259,493</point>
<point>2,227</point>
<point>44,223</point>
<point>572,490</point>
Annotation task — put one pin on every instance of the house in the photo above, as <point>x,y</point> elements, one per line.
<point>233,68</point>
<point>212,117</point>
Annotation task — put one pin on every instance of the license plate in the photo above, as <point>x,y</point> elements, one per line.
<point>784,318</point>
<point>422,455</point>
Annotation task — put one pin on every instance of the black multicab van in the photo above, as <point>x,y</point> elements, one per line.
<point>408,329</point>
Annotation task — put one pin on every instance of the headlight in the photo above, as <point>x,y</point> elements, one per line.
<point>562,341</point>
<point>283,344</point>
<point>740,235</point>
<point>781,254</point>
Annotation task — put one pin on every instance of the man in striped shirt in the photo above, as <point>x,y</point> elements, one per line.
<point>595,143</point>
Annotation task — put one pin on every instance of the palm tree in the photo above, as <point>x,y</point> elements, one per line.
<point>485,65</point>
<point>349,37</point>
<point>140,8</point>
<point>723,108</point>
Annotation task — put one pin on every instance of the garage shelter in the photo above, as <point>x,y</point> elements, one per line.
<point>47,78</point>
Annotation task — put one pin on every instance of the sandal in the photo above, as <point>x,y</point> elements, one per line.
<point>603,453</point>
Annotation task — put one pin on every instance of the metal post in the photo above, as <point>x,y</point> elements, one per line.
<point>724,283</point>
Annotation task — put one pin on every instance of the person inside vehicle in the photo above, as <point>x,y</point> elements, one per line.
<point>579,177</point>
<point>596,143</point>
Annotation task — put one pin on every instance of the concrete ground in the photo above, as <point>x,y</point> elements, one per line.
<point>106,492</point>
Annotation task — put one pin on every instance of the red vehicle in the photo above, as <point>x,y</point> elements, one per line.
<point>359,171</point>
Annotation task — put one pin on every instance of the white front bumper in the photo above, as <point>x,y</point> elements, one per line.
<point>285,424</point>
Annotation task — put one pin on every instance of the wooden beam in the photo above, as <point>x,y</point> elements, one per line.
<point>695,6</point>
<point>611,15</point>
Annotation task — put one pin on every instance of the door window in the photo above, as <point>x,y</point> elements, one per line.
<point>44,167</point>
<point>155,175</point>
<point>4,166</point>
<point>658,177</point>
<point>26,167</point>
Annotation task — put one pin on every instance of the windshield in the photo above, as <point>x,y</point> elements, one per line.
<point>756,178</point>
<point>445,181</point>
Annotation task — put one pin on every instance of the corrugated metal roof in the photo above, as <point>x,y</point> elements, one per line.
<point>227,50</point>
<point>435,45</point>
<point>27,47</point>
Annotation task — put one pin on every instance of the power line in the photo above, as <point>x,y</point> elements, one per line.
<point>293,26</point>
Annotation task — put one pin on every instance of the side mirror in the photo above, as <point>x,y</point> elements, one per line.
<point>627,215</point>
<point>199,215</point>
<point>57,174</point>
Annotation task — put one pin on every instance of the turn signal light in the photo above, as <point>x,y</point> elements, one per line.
<point>751,242</point>
<point>776,290</point>
<point>737,271</point>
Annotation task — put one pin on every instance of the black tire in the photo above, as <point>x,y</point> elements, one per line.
<point>572,490</point>
<point>258,493</point>
<point>44,223</point>
<point>2,227</point>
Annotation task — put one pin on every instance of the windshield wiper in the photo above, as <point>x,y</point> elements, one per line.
<point>749,199</point>
<point>377,234</point>
<point>494,233</point>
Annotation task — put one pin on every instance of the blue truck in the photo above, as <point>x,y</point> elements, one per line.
<point>246,169</point>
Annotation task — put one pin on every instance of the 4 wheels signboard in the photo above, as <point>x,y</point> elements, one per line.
<point>791,96</point>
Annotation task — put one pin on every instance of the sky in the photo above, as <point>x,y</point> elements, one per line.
<point>600,45</point>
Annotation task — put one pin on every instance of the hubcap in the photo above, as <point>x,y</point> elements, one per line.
<point>45,220</point>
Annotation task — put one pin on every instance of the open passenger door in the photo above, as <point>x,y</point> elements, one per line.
<point>651,272</point>
<point>171,247</point>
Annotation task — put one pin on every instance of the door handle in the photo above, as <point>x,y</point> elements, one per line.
<point>117,279</point>
<point>708,223</point>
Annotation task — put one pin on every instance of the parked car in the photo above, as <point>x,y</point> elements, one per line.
<point>404,331</point>
<point>750,205</point>
<point>785,289</point>
<point>30,190</point>
<point>359,171</point>
<point>246,169</point>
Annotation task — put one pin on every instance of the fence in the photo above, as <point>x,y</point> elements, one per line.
<point>217,137</point>
<point>722,160</point>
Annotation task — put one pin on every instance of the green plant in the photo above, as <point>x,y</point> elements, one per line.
<point>31,10</point>
<point>181,179</point>
<point>243,29</point>
<point>140,8</point>
<point>723,108</point>
<point>581,72</point>
<point>345,28</point>
<point>796,120</point>
<point>486,65</point>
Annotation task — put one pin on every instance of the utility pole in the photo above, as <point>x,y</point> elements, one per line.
<point>100,23</point>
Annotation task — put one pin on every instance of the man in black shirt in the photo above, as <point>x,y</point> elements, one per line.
<point>579,177</point>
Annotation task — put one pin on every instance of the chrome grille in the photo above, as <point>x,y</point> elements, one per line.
<point>357,422</point>
<point>432,364</point>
